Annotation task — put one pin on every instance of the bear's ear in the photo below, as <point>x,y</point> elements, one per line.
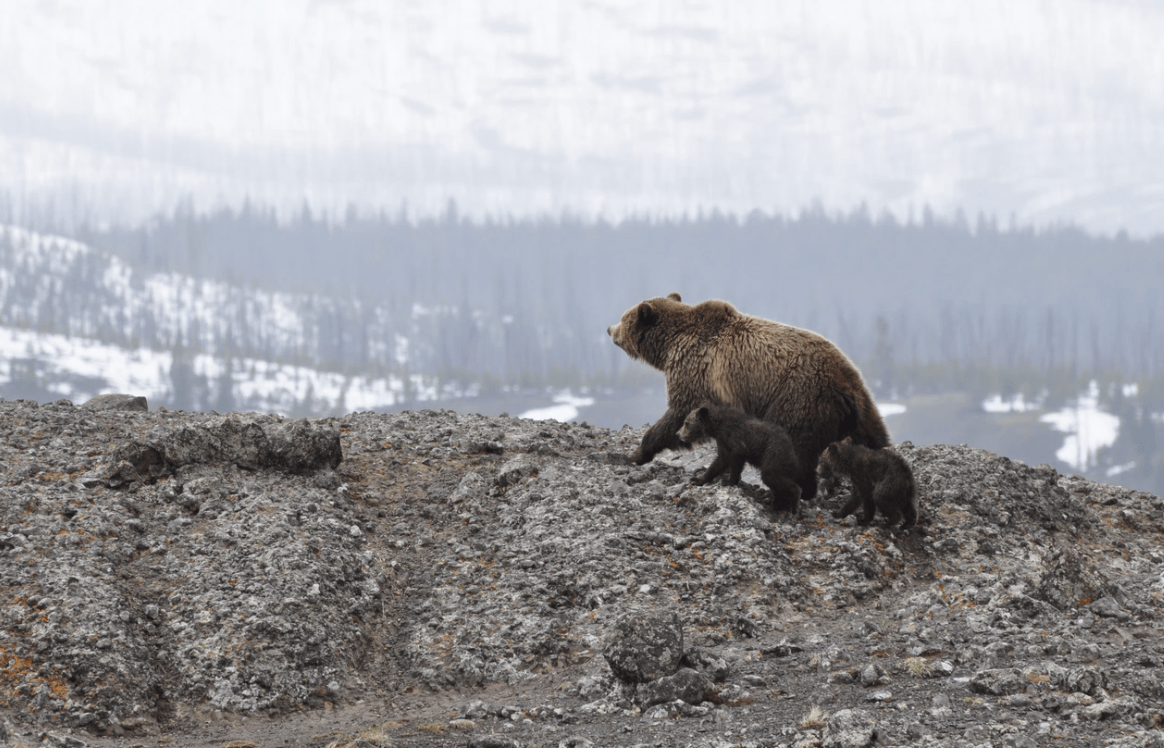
<point>703,413</point>
<point>647,314</point>
<point>848,441</point>
<point>674,296</point>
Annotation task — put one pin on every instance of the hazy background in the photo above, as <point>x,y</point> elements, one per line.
<point>1052,111</point>
<point>311,207</point>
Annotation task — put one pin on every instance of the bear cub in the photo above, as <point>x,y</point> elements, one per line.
<point>881,479</point>
<point>741,439</point>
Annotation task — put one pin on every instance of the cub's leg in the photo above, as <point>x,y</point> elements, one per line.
<point>717,466</point>
<point>785,492</point>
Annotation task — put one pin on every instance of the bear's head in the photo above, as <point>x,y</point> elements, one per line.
<point>694,429</point>
<point>636,332</point>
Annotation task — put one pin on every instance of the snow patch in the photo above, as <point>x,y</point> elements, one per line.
<point>1017,404</point>
<point>1117,469</point>
<point>1089,429</point>
<point>566,408</point>
<point>890,409</point>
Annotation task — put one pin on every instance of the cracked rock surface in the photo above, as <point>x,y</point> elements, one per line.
<point>432,578</point>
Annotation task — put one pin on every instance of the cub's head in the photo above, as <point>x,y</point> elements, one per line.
<point>835,451</point>
<point>637,332</point>
<point>694,429</point>
<point>831,469</point>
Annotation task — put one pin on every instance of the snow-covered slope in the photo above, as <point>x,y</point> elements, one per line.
<point>78,369</point>
<point>1052,111</point>
<point>75,322</point>
<point>59,285</point>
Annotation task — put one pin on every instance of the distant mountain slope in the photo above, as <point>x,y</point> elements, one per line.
<point>56,285</point>
<point>1050,111</point>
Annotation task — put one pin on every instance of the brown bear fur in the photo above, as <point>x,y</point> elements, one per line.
<point>787,376</point>
<point>881,479</point>
<point>742,439</point>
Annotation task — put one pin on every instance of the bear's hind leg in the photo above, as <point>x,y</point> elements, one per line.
<point>806,479</point>
<point>892,516</point>
<point>909,510</point>
<point>895,500</point>
<point>868,509</point>
<point>807,458</point>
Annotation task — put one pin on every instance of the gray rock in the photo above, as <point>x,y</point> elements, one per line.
<point>516,470</point>
<point>1086,680</point>
<point>713,667</point>
<point>575,741</point>
<point>1070,580</point>
<point>644,645</point>
<point>491,741</point>
<point>63,741</point>
<point>131,403</point>
<point>1020,741</point>
<point>254,442</point>
<point>1153,739</point>
<point>1109,607</point>
<point>147,459</point>
<point>1030,607</point>
<point>1122,708</point>
<point>870,675</point>
<point>849,728</point>
<point>685,685</point>
<point>997,682</point>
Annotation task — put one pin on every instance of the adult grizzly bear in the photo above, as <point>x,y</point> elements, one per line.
<point>743,439</point>
<point>881,479</point>
<point>788,376</point>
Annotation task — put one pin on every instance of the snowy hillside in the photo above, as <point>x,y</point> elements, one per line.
<point>77,369</point>
<point>75,322</point>
<point>57,285</point>
<point>1051,111</point>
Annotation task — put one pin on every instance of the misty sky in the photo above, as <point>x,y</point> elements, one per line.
<point>1052,110</point>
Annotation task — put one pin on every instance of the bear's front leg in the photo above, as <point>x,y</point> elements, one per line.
<point>663,435</point>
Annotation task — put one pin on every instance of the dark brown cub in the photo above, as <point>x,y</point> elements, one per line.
<point>881,479</point>
<point>740,439</point>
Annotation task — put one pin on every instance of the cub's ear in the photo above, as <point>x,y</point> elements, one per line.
<point>703,413</point>
<point>674,296</point>
<point>848,441</point>
<point>648,316</point>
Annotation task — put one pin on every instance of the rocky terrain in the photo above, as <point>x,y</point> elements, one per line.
<point>432,578</point>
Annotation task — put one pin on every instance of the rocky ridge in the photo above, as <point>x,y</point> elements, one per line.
<point>169,574</point>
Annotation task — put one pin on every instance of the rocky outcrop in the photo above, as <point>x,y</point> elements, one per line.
<point>645,645</point>
<point>161,566</point>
